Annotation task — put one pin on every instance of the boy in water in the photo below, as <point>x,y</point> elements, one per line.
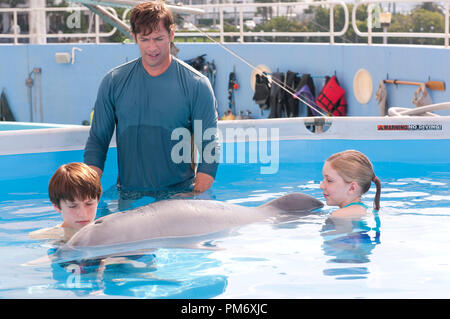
<point>74,191</point>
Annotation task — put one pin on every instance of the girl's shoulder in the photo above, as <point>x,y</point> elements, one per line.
<point>350,212</point>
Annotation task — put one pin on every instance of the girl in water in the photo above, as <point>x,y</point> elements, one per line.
<point>346,177</point>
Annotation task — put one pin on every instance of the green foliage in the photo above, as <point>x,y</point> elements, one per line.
<point>280,24</point>
<point>419,20</point>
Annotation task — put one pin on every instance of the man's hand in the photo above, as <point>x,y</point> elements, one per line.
<point>202,182</point>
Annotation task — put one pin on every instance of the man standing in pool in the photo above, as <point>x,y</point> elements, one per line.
<point>145,100</point>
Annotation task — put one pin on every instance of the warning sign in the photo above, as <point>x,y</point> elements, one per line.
<point>409,127</point>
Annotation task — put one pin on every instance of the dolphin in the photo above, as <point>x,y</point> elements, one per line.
<point>175,218</point>
<point>172,223</point>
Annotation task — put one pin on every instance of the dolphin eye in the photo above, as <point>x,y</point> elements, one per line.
<point>98,221</point>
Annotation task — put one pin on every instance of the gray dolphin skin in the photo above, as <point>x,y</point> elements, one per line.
<point>184,218</point>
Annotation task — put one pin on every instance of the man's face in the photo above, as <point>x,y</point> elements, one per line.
<point>155,49</point>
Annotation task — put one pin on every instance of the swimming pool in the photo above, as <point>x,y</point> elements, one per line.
<point>399,253</point>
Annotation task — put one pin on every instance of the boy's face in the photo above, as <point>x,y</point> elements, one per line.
<point>78,213</point>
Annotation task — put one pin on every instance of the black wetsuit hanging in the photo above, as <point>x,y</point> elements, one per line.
<point>262,92</point>
<point>291,106</point>
<point>276,97</point>
<point>5,111</point>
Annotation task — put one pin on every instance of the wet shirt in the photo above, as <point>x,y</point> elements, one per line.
<point>145,110</point>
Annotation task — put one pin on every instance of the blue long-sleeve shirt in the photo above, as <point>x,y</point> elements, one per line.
<point>145,110</point>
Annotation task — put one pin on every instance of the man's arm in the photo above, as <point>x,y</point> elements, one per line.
<point>97,170</point>
<point>102,127</point>
<point>205,111</point>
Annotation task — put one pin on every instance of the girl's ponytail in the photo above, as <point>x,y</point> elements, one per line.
<point>376,201</point>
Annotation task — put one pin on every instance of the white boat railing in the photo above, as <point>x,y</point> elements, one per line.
<point>240,12</point>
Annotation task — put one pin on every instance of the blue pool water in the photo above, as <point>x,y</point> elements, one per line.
<point>400,253</point>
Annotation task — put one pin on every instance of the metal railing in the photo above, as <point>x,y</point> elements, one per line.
<point>15,33</point>
<point>238,11</point>
<point>238,8</point>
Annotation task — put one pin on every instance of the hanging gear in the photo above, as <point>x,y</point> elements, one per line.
<point>262,92</point>
<point>197,63</point>
<point>5,111</point>
<point>276,96</point>
<point>421,96</point>
<point>246,62</point>
<point>332,98</point>
<point>232,86</point>
<point>209,69</point>
<point>291,104</point>
<point>381,96</point>
<point>306,94</point>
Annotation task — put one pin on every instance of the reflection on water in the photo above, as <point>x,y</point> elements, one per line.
<point>350,243</point>
<point>166,273</point>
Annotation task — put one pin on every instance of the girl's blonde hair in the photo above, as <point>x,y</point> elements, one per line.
<point>74,181</point>
<point>352,166</point>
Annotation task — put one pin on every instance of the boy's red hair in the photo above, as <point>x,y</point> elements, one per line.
<point>74,181</point>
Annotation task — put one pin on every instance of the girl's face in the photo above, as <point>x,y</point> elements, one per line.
<point>336,191</point>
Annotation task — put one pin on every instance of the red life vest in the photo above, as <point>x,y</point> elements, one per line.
<point>332,98</point>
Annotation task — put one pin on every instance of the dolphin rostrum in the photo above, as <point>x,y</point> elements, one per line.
<point>176,218</point>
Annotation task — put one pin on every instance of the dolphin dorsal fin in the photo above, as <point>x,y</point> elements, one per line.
<point>295,202</point>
